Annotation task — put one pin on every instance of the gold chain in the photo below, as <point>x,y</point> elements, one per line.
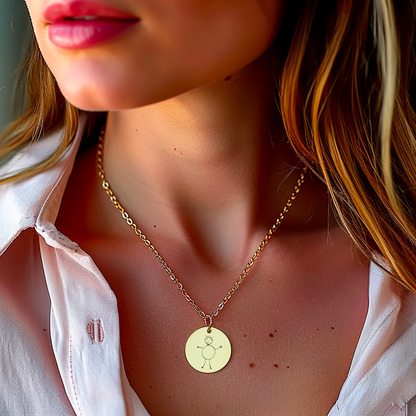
<point>206,317</point>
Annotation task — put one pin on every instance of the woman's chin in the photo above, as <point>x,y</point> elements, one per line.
<point>104,100</point>
<point>118,96</point>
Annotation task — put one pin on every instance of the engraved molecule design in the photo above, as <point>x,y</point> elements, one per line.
<point>208,351</point>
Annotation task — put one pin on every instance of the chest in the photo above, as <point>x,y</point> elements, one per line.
<point>293,329</point>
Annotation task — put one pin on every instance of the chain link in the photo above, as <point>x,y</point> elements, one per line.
<point>206,317</point>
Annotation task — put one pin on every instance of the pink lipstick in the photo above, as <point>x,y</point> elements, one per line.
<point>84,24</point>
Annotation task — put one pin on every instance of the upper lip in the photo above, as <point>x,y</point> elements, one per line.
<point>57,10</point>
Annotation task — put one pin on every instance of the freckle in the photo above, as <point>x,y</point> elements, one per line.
<point>169,397</point>
<point>245,335</point>
<point>150,387</point>
<point>227,78</point>
<point>287,367</point>
<point>175,356</point>
<point>181,153</point>
<point>271,335</point>
<point>174,148</point>
<point>270,280</point>
<point>276,366</point>
<point>317,329</point>
<point>332,327</point>
<point>154,226</point>
<point>275,330</point>
<point>251,365</point>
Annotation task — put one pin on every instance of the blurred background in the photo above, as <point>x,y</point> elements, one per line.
<point>15,35</point>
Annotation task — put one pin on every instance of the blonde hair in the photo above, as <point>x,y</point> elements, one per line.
<point>353,122</point>
<point>344,89</point>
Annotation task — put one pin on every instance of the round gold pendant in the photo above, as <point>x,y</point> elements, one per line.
<point>208,350</point>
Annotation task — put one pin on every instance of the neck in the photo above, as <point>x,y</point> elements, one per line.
<point>205,166</point>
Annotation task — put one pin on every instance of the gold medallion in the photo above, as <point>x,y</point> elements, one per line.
<point>208,350</point>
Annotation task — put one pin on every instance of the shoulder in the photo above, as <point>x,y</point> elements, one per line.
<point>23,202</point>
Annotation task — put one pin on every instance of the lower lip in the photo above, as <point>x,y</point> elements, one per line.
<point>81,34</point>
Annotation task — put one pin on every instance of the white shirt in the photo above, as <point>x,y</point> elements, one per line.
<point>59,326</point>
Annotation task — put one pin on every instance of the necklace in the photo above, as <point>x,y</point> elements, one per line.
<point>207,349</point>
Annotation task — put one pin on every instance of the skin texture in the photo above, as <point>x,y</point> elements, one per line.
<point>196,152</point>
<point>177,46</point>
<point>221,129</point>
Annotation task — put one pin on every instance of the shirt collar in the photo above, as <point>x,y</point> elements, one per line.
<point>27,202</point>
<point>382,371</point>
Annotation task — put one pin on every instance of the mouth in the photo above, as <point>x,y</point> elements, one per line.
<point>83,24</point>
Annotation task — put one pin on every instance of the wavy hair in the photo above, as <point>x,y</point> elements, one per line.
<point>345,80</point>
<point>351,118</point>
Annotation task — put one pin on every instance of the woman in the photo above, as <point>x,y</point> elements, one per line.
<point>197,157</point>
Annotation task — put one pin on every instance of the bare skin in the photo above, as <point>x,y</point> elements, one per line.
<point>206,201</point>
<point>294,324</point>
<point>189,95</point>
